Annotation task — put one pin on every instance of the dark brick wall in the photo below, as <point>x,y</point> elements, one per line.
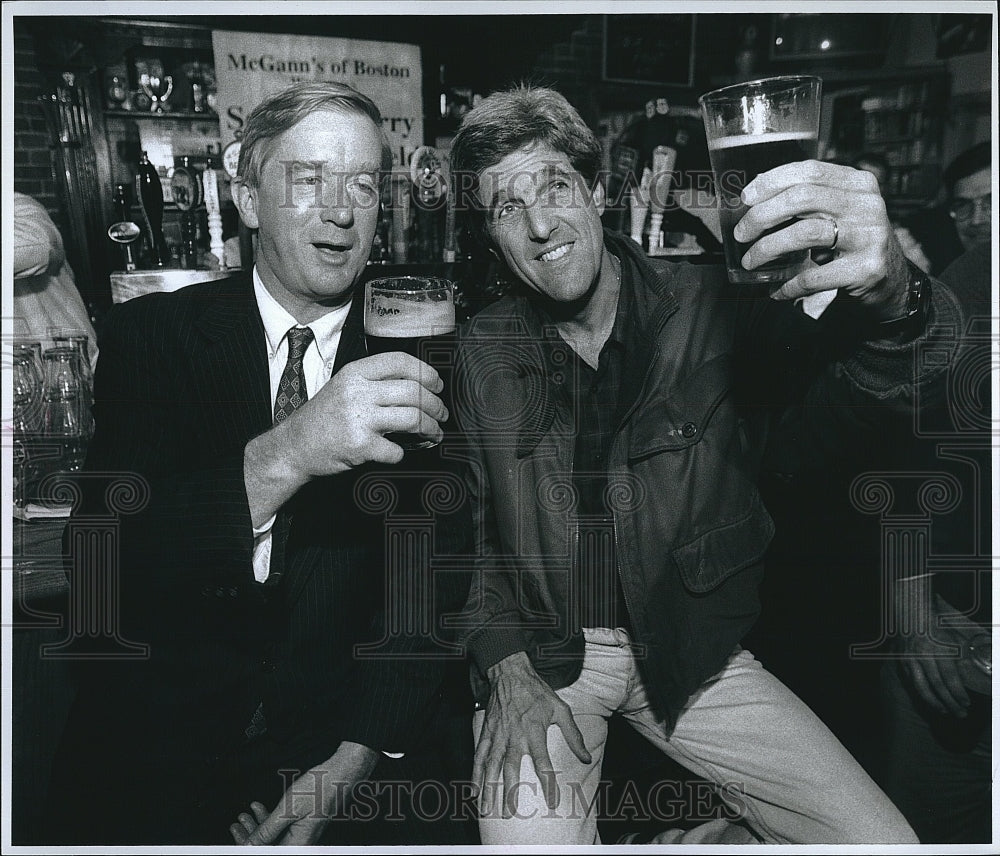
<point>33,157</point>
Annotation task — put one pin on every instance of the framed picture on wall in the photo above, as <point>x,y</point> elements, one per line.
<point>651,49</point>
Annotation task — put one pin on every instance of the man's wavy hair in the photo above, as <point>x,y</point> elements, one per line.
<point>508,121</point>
<point>281,111</point>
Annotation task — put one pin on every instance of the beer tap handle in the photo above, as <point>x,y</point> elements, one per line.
<point>210,187</point>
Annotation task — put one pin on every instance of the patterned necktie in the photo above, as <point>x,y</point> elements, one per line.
<point>292,392</point>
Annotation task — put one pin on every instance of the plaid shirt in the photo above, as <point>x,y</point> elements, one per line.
<point>597,399</point>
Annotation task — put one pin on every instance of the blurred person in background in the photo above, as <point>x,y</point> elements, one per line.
<point>945,231</point>
<point>937,697</point>
<point>46,300</point>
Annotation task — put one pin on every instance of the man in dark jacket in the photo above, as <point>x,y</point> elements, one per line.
<point>257,620</point>
<point>617,414</point>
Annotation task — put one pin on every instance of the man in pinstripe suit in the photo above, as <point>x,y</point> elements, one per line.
<point>257,565</point>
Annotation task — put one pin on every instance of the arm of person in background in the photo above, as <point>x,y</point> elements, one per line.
<point>933,641</point>
<point>38,247</point>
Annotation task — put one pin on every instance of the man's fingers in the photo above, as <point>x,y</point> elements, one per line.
<point>848,273</point>
<point>511,782</point>
<point>781,178</point>
<point>384,451</point>
<point>539,751</point>
<point>486,771</point>
<point>799,235</point>
<point>943,677</point>
<point>259,811</point>
<point>409,393</point>
<point>396,364</point>
<point>239,834</point>
<point>572,735</point>
<point>923,687</point>
<point>249,824</point>
<point>270,830</point>
<point>806,202</point>
<point>412,420</point>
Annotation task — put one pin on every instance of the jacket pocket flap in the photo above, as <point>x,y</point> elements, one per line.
<point>719,553</point>
<point>679,418</point>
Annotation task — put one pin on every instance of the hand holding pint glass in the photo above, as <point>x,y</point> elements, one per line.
<point>752,128</point>
<point>415,315</point>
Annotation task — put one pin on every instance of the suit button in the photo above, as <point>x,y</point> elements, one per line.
<point>220,591</point>
<point>233,592</point>
<point>267,665</point>
<point>206,591</point>
<point>689,429</point>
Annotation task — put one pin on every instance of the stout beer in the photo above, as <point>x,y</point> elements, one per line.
<point>415,315</point>
<point>737,161</point>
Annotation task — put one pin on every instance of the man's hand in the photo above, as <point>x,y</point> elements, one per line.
<point>868,261</point>
<point>307,806</point>
<point>933,651</point>
<point>343,426</point>
<point>518,715</point>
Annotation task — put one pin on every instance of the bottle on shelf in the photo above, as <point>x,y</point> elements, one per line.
<point>149,192</point>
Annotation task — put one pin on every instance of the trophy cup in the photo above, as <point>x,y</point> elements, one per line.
<point>158,87</point>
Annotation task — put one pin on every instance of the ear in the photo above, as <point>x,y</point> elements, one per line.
<point>245,200</point>
<point>599,198</point>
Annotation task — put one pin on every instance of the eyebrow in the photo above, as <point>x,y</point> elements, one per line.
<point>366,167</point>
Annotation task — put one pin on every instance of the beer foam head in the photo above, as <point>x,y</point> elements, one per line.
<point>756,139</point>
<point>408,316</point>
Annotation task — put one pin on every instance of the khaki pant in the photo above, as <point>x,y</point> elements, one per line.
<point>777,765</point>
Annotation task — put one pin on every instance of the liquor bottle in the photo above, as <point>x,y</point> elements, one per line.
<point>149,192</point>
<point>198,94</point>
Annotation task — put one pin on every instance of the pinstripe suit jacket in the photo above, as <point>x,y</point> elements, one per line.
<point>182,385</point>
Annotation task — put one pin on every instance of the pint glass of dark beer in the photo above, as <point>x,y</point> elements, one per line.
<point>416,315</point>
<point>751,128</point>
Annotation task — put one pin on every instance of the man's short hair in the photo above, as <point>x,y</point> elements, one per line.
<point>507,121</point>
<point>281,111</point>
<point>970,161</point>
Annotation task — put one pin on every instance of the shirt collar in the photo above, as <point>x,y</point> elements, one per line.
<point>626,308</point>
<point>326,329</point>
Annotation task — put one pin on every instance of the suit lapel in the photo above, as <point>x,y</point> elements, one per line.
<point>230,367</point>
<point>352,338</point>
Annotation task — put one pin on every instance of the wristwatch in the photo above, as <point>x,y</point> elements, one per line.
<point>918,297</point>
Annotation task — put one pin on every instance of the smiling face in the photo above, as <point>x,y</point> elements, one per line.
<point>316,210</point>
<point>545,222</point>
<point>971,203</point>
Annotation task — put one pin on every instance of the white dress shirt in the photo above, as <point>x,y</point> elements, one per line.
<point>317,366</point>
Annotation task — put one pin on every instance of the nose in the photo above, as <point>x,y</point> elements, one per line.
<point>338,206</point>
<point>541,222</point>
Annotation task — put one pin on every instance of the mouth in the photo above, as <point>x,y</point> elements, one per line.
<point>332,250</point>
<point>556,253</point>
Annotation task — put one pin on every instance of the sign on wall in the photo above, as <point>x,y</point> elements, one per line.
<point>250,66</point>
